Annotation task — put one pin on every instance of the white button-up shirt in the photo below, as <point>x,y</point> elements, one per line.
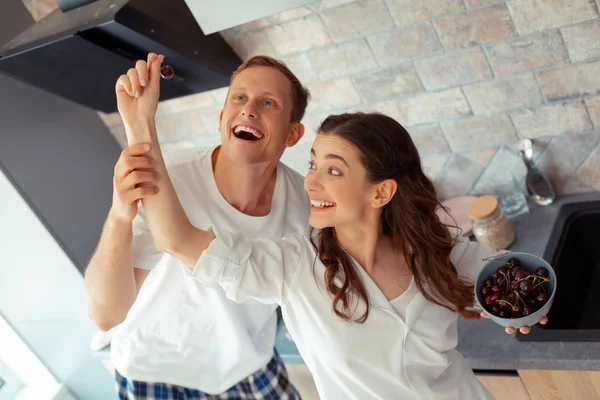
<point>387,357</point>
<point>181,332</point>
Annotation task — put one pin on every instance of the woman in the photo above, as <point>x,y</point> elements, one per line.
<point>373,305</point>
<point>372,298</point>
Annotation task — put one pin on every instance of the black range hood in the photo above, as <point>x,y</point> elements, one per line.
<point>79,53</point>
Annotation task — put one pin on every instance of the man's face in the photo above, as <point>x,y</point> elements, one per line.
<point>255,123</point>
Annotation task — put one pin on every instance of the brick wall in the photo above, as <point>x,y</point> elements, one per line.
<point>468,78</point>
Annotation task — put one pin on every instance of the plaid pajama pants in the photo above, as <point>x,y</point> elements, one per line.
<point>268,383</point>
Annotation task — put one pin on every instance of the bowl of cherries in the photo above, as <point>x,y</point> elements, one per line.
<point>516,289</point>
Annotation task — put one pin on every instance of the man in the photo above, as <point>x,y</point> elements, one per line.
<point>177,338</point>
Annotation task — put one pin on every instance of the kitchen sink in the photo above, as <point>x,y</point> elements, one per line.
<point>574,252</point>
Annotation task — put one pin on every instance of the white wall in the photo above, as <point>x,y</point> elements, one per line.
<point>42,296</point>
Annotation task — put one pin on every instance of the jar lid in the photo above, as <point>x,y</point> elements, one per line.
<point>482,207</point>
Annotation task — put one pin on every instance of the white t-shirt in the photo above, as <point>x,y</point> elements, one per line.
<point>179,331</point>
<point>390,356</point>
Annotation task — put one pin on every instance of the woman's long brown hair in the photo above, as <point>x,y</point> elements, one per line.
<point>409,219</point>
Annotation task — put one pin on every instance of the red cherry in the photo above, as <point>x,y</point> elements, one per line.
<point>524,295</point>
<point>541,271</point>
<point>528,310</point>
<point>496,288</point>
<point>541,298</point>
<point>520,275</point>
<point>488,301</point>
<point>517,311</point>
<point>166,71</point>
<point>525,286</point>
<point>486,291</point>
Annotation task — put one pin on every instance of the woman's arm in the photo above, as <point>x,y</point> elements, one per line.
<point>171,229</point>
<point>245,268</point>
<point>261,269</point>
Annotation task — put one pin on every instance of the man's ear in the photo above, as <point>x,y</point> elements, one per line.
<point>384,193</point>
<point>295,135</point>
<point>220,119</point>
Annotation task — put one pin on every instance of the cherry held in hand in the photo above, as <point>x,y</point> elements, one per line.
<point>166,71</point>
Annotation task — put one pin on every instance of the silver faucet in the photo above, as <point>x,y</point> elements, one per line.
<point>538,186</point>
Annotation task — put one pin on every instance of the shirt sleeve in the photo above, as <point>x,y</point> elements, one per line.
<point>260,269</point>
<point>468,257</point>
<point>144,253</point>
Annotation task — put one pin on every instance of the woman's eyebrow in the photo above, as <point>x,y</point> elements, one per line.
<point>332,156</point>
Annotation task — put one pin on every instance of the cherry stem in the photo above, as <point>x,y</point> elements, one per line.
<point>503,279</point>
<point>507,302</point>
<point>494,256</point>
<point>519,297</point>
<point>543,280</point>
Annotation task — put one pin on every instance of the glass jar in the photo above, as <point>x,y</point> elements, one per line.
<point>490,226</point>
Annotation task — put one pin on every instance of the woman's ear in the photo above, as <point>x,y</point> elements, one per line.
<point>384,192</point>
<point>295,135</point>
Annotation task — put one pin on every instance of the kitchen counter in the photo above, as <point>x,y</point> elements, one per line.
<point>483,343</point>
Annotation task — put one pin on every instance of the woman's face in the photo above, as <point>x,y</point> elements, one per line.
<point>337,183</point>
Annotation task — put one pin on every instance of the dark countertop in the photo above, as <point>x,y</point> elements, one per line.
<point>483,343</point>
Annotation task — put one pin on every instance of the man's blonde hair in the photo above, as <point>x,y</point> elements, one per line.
<point>300,94</point>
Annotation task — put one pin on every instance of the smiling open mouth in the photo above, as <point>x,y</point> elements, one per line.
<point>245,132</point>
<point>321,204</point>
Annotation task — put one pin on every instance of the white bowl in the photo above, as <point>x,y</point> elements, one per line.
<point>530,263</point>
